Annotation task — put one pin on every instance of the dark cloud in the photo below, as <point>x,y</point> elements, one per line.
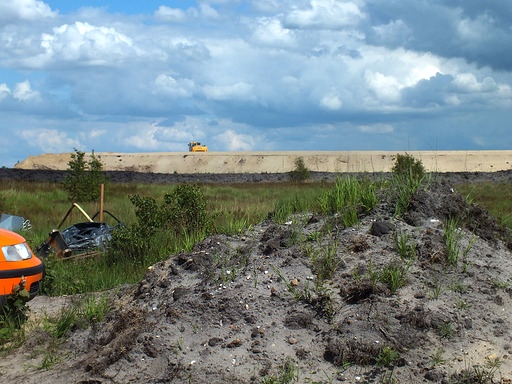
<point>478,31</point>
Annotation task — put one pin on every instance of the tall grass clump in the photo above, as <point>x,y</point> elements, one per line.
<point>408,176</point>
<point>349,197</point>
<point>453,237</point>
<point>286,207</point>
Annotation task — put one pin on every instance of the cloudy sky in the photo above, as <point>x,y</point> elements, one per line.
<point>254,75</point>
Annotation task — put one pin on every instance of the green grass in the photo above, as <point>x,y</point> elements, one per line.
<point>234,208</point>
<point>496,198</point>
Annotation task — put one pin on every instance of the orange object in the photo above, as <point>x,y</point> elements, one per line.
<point>18,263</point>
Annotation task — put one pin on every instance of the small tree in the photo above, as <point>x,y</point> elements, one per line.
<point>84,177</point>
<point>301,172</point>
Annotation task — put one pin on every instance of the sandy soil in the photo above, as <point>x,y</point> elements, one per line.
<point>279,162</point>
<point>303,297</point>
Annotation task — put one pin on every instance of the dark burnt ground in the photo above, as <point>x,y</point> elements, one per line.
<point>162,178</point>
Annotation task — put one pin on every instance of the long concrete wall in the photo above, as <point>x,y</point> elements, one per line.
<point>280,162</point>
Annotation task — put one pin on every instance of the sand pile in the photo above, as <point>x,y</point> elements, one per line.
<point>280,162</point>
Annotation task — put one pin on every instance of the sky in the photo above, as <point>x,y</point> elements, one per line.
<point>254,75</point>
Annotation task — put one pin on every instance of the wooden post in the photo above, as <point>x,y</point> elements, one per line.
<point>102,191</point>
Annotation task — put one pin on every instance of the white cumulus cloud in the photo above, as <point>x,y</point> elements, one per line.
<point>25,10</point>
<point>239,91</point>
<point>326,14</point>
<point>4,91</point>
<point>23,91</point>
<point>331,101</point>
<point>235,141</point>
<point>83,41</point>
<point>270,31</point>
<point>50,140</point>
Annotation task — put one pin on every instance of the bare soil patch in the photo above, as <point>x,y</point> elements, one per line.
<point>243,309</point>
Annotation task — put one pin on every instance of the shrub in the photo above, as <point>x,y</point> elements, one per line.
<point>301,172</point>
<point>133,243</point>
<point>82,183</point>
<point>182,215</point>
<point>409,167</point>
<point>185,209</point>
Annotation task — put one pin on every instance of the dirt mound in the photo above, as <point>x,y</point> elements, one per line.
<point>313,300</point>
<point>279,162</point>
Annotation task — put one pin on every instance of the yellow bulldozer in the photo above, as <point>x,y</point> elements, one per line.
<point>195,146</point>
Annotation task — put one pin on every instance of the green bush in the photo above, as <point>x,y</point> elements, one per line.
<point>301,172</point>
<point>82,183</point>
<point>409,167</point>
<point>183,215</point>
<point>133,243</point>
<point>185,210</point>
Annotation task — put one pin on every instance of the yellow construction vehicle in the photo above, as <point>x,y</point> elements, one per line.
<point>195,146</point>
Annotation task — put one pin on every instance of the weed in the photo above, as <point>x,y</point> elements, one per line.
<point>481,373</point>
<point>452,237</point>
<point>51,356</point>
<point>436,291</point>
<point>93,309</point>
<point>463,304</point>
<point>60,326</point>
<point>325,259</point>
<point>11,334</point>
<point>289,206</point>
<point>394,275</point>
<point>386,356</point>
<point>373,275</point>
<point>288,373</point>
<point>501,284</point>
<point>403,243</point>
<point>446,330</point>
<point>325,301</point>
<point>291,288</point>
<point>459,287</point>
<point>437,358</point>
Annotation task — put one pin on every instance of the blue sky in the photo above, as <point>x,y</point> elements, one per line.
<point>260,75</point>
